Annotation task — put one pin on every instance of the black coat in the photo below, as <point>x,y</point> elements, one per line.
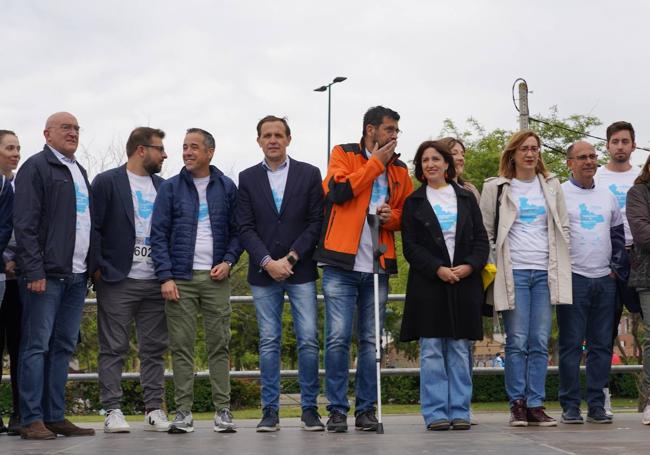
<point>433,308</point>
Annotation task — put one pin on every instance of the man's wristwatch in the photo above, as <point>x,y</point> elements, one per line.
<point>291,259</point>
<point>229,263</point>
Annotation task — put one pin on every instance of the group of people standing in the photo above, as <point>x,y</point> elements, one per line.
<point>160,253</point>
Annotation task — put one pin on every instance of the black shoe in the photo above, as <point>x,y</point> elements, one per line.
<point>337,423</point>
<point>439,425</point>
<point>310,420</point>
<point>366,421</point>
<point>270,421</point>
<point>460,424</point>
<point>14,427</point>
<point>598,415</point>
<point>572,416</point>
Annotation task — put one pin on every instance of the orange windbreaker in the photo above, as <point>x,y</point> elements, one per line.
<point>348,187</point>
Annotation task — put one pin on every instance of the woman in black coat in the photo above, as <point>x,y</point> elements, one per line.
<point>441,221</point>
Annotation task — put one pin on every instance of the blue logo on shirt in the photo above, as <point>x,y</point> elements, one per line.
<point>529,212</point>
<point>277,198</point>
<point>620,195</point>
<point>589,220</point>
<point>446,219</point>
<point>203,211</point>
<point>145,207</point>
<point>82,199</point>
<point>379,193</point>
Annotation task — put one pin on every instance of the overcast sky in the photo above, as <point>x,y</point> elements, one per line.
<point>223,65</point>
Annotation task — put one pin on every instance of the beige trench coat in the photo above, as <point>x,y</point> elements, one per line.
<point>502,293</point>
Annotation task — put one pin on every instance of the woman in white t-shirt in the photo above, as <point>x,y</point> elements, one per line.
<point>531,238</point>
<point>446,246</point>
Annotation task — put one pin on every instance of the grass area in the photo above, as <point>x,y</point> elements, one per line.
<point>620,404</point>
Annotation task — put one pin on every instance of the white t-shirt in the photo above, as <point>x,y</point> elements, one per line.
<point>445,206</point>
<point>143,194</point>
<point>619,183</point>
<point>82,233</point>
<point>203,247</point>
<point>592,213</point>
<point>364,260</point>
<point>528,236</point>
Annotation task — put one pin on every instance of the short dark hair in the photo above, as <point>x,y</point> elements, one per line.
<point>375,117</point>
<point>208,139</point>
<point>141,136</point>
<point>273,118</point>
<point>440,148</point>
<point>620,126</point>
<point>4,133</point>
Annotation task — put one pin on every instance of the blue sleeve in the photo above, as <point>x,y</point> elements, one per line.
<point>306,243</point>
<point>620,263</point>
<point>101,200</point>
<point>161,228</point>
<point>233,249</point>
<point>245,216</point>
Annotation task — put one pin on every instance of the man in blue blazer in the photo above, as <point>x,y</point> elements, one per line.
<point>280,212</point>
<point>126,284</point>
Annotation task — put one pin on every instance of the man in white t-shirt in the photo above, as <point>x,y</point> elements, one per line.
<point>127,289</point>
<point>194,245</point>
<point>52,229</point>
<point>597,257</point>
<point>618,176</point>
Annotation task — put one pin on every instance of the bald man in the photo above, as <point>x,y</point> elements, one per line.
<point>52,230</point>
<point>597,258</point>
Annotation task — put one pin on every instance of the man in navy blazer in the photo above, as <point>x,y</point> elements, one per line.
<point>280,212</point>
<point>126,284</point>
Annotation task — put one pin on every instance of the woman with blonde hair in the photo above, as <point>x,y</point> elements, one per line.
<point>526,218</point>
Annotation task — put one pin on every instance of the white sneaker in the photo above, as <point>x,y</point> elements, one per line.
<point>223,422</point>
<point>608,403</point>
<point>646,415</point>
<point>115,422</point>
<point>156,420</point>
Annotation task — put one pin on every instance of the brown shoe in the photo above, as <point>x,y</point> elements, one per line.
<point>36,430</point>
<point>537,417</point>
<point>67,428</point>
<point>518,414</point>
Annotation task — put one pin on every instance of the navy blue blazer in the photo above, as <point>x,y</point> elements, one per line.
<point>114,223</point>
<point>265,231</point>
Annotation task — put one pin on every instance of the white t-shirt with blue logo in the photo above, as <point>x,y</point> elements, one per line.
<point>618,183</point>
<point>445,206</point>
<point>364,260</point>
<point>203,248</point>
<point>143,194</point>
<point>592,213</point>
<point>528,236</point>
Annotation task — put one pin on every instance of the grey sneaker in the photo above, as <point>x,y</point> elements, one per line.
<point>310,420</point>
<point>183,423</point>
<point>223,422</point>
<point>270,421</point>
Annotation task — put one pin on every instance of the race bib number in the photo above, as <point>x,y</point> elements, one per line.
<point>142,250</point>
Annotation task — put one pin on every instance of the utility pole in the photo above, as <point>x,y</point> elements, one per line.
<point>523,105</point>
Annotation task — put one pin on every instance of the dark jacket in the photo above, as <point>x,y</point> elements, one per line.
<point>46,215</point>
<point>263,231</point>
<point>114,223</point>
<point>175,219</point>
<point>433,308</point>
<point>6,216</point>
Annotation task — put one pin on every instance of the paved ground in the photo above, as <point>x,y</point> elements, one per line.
<point>403,435</point>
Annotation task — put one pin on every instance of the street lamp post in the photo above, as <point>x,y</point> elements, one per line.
<point>328,89</point>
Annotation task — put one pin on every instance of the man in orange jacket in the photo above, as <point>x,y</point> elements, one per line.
<point>364,178</point>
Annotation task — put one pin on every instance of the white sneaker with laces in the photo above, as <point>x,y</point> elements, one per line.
<point>646,415</point>
<point>608,402</point>
<point>156,420</point>
<point>115,422</point>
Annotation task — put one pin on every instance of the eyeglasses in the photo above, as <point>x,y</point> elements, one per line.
<point>393,130</point>
<point>526,149</point>
<point>67,127</point>
<point>591,156</point>
<point>160,148</point>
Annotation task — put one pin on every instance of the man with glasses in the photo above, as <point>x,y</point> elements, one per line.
<point>597,257</point>
<point>194,245</point>
<point>125,281</point>
<point>53,231</point>
<point>362,178</point>
<point>618,176</point>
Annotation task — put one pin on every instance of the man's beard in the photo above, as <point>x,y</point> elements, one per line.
<point>151,166</point>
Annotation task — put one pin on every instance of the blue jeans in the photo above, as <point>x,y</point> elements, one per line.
<point>50,331</point>
<point>591,318</point>
<point>269,302</point>
<point>445,379</point>
<point>528,327</point>
<point>346,291</point>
